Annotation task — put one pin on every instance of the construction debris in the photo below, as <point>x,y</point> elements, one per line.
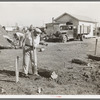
<point>39,90</point>
<point>78,61</point>
<point>42,49</point>
<point>69,67</point>
<point>89,66</point>
<point>94,57</point>
<point>2,91</point>
<point>43,43</point>
<point>54,75</point>
<point>87,75</point>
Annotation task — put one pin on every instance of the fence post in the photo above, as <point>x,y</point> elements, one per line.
<point>81,33</point>
<point>95,47</point>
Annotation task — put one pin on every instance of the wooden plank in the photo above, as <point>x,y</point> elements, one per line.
<point>94,57</point>
<point>47,73</point>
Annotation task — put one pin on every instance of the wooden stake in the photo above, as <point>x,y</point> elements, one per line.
<point>17,71</point>
<point>95,47</point>
<point>64,64</point>
<point>80,29</point>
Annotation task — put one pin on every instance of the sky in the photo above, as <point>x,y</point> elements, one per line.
<point>40,13</point>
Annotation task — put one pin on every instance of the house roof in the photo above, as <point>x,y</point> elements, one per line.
<point>78,17</point>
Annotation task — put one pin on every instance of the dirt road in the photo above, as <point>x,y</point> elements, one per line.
<point>72,78</point>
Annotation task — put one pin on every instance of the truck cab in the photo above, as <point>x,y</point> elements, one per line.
<point>67,32</point>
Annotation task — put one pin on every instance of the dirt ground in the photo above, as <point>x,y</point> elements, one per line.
<point>73,79</point>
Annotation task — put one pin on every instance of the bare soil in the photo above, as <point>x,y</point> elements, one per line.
<point>72,78</point>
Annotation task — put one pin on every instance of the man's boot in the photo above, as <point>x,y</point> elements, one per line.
<point>35,71</point>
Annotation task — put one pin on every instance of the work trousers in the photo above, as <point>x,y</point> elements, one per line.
<point>21,41</point>
<point>27,57</point>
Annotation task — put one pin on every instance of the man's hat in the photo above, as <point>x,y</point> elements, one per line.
<point>37,30</point>
<point>30,28</point>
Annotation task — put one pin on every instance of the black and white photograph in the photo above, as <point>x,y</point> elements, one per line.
<point>49,48</point>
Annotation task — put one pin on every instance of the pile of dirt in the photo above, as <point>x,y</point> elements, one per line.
<point>65,77</point>
<point>3,41</point>
<point>93,75</point>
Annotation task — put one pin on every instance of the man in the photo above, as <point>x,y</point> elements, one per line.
<point>19,37</point>
<point>32,39</point>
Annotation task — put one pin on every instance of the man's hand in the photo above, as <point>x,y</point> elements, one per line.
<point>29,46</point>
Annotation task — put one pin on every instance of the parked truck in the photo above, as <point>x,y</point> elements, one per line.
<point>65,32</point>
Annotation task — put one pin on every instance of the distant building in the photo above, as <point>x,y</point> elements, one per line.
<point>10,28</point>
<point>14,28</point>
<point>85,23</point>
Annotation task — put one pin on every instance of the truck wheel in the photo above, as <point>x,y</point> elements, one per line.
<point>64,40</point>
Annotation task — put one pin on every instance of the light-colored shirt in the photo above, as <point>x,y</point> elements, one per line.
<point>28,40</point>
<point>19,35</point>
